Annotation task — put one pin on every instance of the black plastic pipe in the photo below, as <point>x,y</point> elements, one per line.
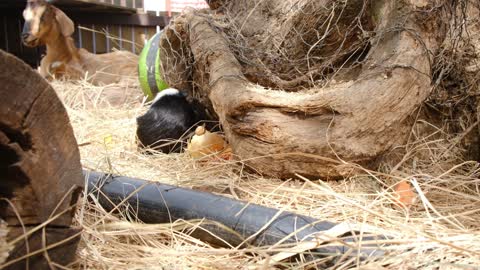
<point>154,202</point>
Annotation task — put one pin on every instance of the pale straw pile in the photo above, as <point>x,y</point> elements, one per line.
<point>441,230</point>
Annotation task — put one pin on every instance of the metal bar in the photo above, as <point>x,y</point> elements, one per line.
<point>80,43</point>
<point>94,3</point>
<point>107,36</point>
<point>120,42</point>
<point>20,31</point>
<point>5,31</point>
<point>114,19</point>
<point>94,40</point>
<point>133,39</point>
<point>79,5</point>
<point>93,16</point>
<point>145,40</point>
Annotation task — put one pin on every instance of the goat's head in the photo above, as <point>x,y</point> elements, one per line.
<point>41,20</point>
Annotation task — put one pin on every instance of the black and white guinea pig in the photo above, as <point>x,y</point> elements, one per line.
<point>166,124</point>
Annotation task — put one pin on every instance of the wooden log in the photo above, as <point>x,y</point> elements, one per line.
<point>4,246</point>
<point>40,171</point>
<point>61,244</point>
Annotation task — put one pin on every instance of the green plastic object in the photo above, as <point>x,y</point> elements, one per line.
<point>149,68</point>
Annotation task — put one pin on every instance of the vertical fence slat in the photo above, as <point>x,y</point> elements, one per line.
<point>120,42</point>
<point>87,39</point>
<point>94,40</point>
<point>107,37</point>
<point>133,39</point>
<point>5,33</point>
<point>101,39</point>
<point>20,30</point>
<point>80,41</point>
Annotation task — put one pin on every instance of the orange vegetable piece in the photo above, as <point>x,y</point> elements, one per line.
<point>205,143</point>
<point>404,194</point>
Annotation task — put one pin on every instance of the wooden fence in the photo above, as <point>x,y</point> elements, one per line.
<point>98,38</point>
<point>99,27</point>
<point>124,3</point>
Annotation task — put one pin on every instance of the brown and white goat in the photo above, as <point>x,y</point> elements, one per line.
<point>48,25</point>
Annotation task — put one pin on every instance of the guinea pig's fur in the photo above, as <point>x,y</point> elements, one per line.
<point>165,125</point>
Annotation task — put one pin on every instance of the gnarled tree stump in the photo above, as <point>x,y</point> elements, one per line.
<point>40,171</point>
<point>302,86</point>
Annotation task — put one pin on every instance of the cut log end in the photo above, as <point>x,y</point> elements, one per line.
<point>40,171</point>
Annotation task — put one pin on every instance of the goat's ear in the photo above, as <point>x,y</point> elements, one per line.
<point>67,27</point>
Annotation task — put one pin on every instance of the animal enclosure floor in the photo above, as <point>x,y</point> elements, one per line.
<point>440,230</point>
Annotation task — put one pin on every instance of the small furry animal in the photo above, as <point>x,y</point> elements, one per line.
<point>166,124</point>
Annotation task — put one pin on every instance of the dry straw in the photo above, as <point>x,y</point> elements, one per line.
<point>440,231</point>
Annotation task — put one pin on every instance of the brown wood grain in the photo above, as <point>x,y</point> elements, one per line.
<point>40,170</point>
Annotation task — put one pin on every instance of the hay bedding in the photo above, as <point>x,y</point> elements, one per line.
<point>439,231</point>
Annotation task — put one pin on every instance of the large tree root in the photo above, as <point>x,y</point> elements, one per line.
<point>312,132</point>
